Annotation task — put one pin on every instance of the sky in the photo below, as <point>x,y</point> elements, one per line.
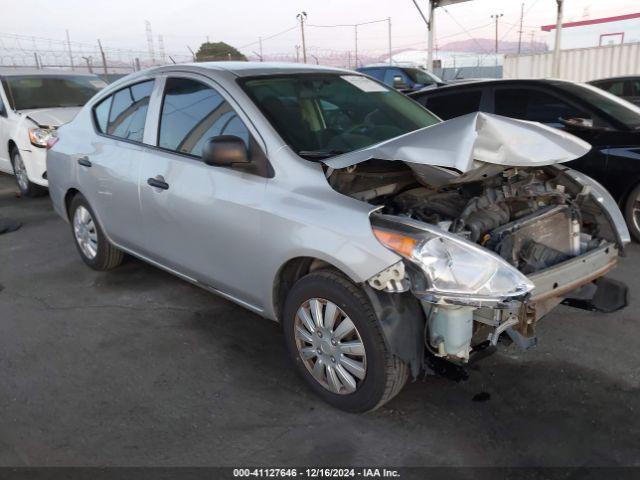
<point>182,23</point>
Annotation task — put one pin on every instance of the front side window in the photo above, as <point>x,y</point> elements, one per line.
<point>536,106</point>
<point>454,104</point>
<point>193,112</point>
<point>422,77</point>
<point>51,91</point>
<point>128,112</point>
<point>320,115</point>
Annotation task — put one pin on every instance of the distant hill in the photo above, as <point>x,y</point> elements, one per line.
<point>487,45</point>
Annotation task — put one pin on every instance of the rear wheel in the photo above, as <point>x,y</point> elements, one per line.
<point>27,187</point>
<point>336,343</point>
<point>632,213</point>
<point>92,244</point>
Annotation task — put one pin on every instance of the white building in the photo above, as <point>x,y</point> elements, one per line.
<point>596,32</point>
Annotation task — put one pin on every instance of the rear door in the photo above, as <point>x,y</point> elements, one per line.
<point>109,167</point>
<point>199,220</point>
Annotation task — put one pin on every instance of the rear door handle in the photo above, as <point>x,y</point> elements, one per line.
<point>158,182</point>
<point>84,161</point>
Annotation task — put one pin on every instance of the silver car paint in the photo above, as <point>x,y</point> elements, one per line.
<point>223,229</point>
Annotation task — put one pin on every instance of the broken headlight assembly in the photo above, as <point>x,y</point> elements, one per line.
<point>457,271</point>
<point>39,136</point>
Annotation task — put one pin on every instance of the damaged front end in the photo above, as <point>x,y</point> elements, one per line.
<point>489,246</point>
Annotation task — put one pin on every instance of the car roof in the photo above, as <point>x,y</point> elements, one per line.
<point>13,72</point>
<point>495,81</point>
<point>620,77</point>
<point>250,69</point>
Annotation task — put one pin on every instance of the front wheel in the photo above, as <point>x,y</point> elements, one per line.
<point>27,187</point>
<point>91,242</point>
<point>336,343</point>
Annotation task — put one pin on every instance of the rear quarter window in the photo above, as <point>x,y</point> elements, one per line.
<point>101,114</point>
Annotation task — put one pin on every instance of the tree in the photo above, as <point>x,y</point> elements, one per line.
<point>210,51</point>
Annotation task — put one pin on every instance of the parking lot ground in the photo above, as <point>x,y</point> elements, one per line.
<point>136,367</point>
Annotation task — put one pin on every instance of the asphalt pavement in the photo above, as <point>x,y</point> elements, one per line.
<point>136,367</point>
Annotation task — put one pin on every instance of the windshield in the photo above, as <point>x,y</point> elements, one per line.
<point>320,115</point>
<point>623,111</point>
<point>420,76</point>
<point>51,91</point>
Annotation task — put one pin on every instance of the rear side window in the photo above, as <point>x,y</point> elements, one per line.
<point>535,105</point>
<point>128,111</point>
<point>193,112</point>
<point>454,104</point>
<point>101,114</point>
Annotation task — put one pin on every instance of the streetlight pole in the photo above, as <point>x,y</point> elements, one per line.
<point>356,46</point>
<point>390,52</point>
<point>557,46</point>
<point>431,24</point>
<point>302,16</point>
<point>497,17</point>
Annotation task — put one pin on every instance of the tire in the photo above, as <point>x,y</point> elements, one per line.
<point>633,203</point>
<point>27,187</point>
<point>384,374</point>
<point>91,242</point>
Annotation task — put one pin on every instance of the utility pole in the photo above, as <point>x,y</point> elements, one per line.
<point>390,54</point>
<point>35,56</point>
<point>356,38</point>
<point>302,17</point>
<point>261,55</point>
<point>520,31</point>
<point>69,48</point>
<point>137,64</point>
<point>557,46</point>
<point>104,58</point>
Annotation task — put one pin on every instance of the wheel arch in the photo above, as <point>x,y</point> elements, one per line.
<point>68,197</point>
<point>292,271</point>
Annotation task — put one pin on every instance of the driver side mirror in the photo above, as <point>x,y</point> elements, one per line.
<point>225,151</point>
<point>398,82</point>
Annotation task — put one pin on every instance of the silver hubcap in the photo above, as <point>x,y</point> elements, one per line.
<point>21,173</point>
<point>85,232</point>
<point>330,346</point>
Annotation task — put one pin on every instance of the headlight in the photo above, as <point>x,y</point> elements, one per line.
<point>455,269</point>
<point>39,136</point>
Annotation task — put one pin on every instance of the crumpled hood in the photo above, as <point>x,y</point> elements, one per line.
<point>51,117</point>
<point>466,143</point>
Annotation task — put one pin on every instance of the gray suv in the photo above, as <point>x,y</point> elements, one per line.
<point>386,242</point>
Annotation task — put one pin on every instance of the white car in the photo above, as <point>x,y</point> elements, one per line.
<point>33,104</point>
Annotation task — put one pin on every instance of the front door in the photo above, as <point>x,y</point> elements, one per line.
<point>202,221</point>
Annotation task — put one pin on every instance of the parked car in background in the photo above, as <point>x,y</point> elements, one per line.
<point>627,87</point>
<point>337,206</point>
<point>609,124</point>
<point>403,78</point>
<point>33,103</point>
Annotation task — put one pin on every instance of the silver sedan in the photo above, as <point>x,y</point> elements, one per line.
<point>385,241</point>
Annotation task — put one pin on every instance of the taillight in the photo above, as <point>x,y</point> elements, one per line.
<point>51,142</point>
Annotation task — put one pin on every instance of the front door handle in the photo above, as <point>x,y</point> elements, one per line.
<point>158,182</point>
<point>84,161</point>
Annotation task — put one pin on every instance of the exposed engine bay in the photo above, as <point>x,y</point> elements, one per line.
<point>535,218</point>
<point>525,215</point>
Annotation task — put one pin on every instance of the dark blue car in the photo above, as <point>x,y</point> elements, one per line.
<point>405,79</point>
